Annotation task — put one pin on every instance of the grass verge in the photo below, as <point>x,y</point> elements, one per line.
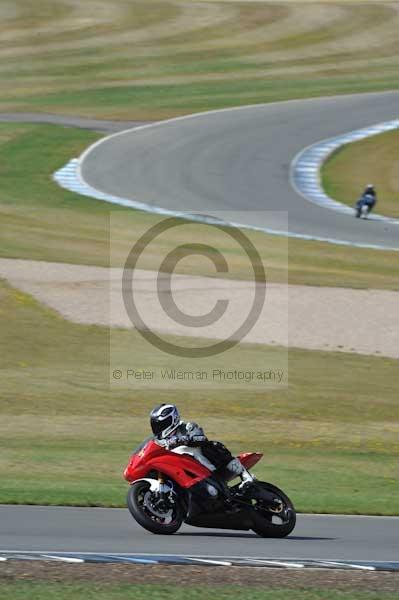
<point>41,221</point>
<point>352,167</point>
<point>330,439</point>
<point>60,591</point>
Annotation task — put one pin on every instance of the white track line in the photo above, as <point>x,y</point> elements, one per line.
<point>208,561</point>
<point>278,563</point>
<point>68,559</point>
<point>350,565</point>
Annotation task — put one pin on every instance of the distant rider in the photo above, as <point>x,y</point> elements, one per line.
<point>170,432</point>
<point>368,197</point>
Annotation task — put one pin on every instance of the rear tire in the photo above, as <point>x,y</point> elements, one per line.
<point>263,523</point>
<point>144,517</point>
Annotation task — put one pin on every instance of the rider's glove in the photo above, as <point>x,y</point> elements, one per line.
<point>172,442</point>
<point>195,433</point>
<point>183,440</point>
<point>177,441</point>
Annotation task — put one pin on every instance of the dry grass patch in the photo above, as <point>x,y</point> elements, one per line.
<point>120,59</point>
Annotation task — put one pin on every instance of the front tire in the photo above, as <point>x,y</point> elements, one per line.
<point>268,523</point>
<point>143,508</point>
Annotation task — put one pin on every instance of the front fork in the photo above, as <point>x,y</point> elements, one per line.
<point>165,491</point>
<point>163,488</point>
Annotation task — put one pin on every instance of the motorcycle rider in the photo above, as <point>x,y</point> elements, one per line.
<point>368,197</point>
<point>170,432</point>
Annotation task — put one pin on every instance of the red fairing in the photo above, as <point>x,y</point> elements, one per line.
<point>183,469</point>
<point>249,459</point>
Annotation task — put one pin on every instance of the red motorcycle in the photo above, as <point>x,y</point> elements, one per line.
<point>169,487</point>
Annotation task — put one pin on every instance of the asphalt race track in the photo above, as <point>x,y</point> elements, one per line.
<point>60,529</point>
<point>239,160</point>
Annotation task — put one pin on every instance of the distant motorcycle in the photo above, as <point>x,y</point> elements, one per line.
<point>364,206</point>
<point>169,487</point>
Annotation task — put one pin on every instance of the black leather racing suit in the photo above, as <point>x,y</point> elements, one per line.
<point>191,434</point>
<point>368,197</point>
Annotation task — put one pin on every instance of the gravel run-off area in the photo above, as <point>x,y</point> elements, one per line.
<point>318,318</point>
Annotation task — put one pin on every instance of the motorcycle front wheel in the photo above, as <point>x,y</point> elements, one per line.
<point>151,512</point>
<point>273,522</point>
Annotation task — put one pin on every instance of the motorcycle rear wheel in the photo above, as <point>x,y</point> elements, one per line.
<point>263,518</point>
<point>139,504</point>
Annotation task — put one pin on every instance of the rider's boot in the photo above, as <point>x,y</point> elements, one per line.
<point>237,468</point>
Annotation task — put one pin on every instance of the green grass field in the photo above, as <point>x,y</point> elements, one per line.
<point>330,439</point>
<point>158,58</point>
<point>90,591</point>
<point>41,221</point>
<point>375,160</point>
